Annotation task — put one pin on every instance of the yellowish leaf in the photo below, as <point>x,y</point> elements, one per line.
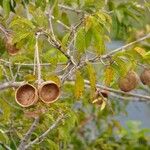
<point>88,23</point>
<point>54,78</point>
<point>79,85</point>
<point>109,74</point>
<point>103,105</point>
<point>140,51</point>
<point>30,77</point>
<point>92,78</point>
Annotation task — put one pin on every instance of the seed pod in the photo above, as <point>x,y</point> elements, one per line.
<point>129,82</point>
<point>10,47</point>
<point>49,92</point>
<point>145,76</point>
<point>26,95</point>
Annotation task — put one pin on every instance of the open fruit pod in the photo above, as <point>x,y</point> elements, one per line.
<point>26,95</point>
<point>49,92</point>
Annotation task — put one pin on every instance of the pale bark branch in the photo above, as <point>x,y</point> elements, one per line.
<point>140,97</point>
<point>123,48</point>
<point>10,84</point>
<point>28,134</point>
<point>27,64</point>
<point>43,136</point>
<point>70,8</point>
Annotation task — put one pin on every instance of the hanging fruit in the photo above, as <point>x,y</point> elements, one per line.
<point>129,82</point>
<point>145,76</point>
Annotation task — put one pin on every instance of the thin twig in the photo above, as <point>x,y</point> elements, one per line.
<point>5,146</point>
<point>50,23</point>
<point>10,84</point>
<point>70,8</point>
<point>58,21</point>
<point>28,134</point>
<point>147,5</point>
<point>122,48</point>
<point>17,72</point>
<point>4,31</point>
<point>43,136</point>
<point>27,64</point>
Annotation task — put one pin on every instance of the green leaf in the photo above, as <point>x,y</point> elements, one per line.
<point>88,22</point>
<point>52,144</point>
<point>98,41</point>
<point>1,72</point>
<point>65,18</point>
<point>80,40</point>
<point>19,36</point>
<point>3,137</point>
<point>79,85</point>
<point>39,18</point>
<point>22,23</point>
<point>6,7</point>
<point>55,8</point>
<point>41,4</point>
<point>65,40</point>
<point>6,111</point>
<point>147,55</point>
<point>54,78</point>
<point>88,38</point>
<point>30,77</point>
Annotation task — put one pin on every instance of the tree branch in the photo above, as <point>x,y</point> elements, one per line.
<point>27,64</point>
<point>70,8</point>
<point>5,146</point>
<point>28,134</point>
<point>141,97</point>
<point>43,136</point>
<point>122,48</point>
<point>10,84</point>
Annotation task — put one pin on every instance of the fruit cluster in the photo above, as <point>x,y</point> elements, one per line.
<point>131,80</point>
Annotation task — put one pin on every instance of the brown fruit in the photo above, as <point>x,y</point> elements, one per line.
<point>11,48</point>
<point>145,76</point>
<point>129,82</point>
